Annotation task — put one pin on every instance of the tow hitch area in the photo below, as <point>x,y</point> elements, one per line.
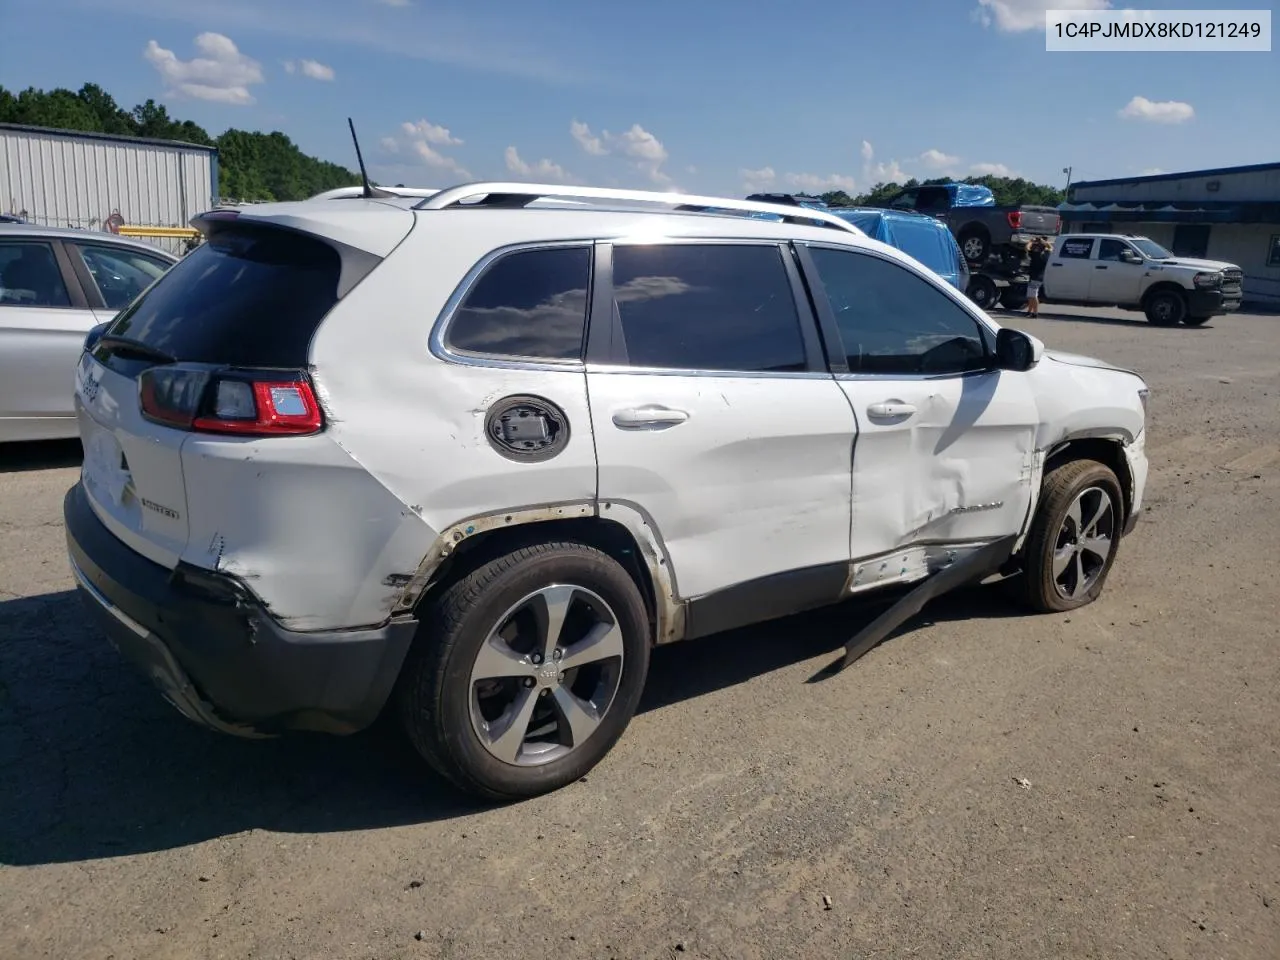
<point>977,565</point>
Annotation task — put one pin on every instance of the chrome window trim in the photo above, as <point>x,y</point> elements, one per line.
<point>437,340</point>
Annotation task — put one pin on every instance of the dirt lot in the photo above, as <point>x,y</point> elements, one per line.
<point>1147,725</point>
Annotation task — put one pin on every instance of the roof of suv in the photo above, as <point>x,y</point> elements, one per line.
<point>522,211</point>
<point>76,233</point>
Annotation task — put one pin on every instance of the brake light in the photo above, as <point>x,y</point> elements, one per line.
<point>1015,219</point>
<point>261,408</point>
<point>246,403</point>
<point>1057,224</point>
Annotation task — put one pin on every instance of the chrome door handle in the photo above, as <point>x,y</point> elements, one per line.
<point>891,408</point>
<point>652,415</point>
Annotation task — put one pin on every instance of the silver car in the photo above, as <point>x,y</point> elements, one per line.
<point>55,285</point>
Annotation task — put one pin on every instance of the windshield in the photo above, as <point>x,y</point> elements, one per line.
<point>1150,249</point>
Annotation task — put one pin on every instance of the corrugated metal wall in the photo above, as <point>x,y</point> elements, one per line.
<point>73,181</point>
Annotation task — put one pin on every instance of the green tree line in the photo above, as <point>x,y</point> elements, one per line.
<point>251,165</point>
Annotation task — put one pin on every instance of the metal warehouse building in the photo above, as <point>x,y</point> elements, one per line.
<point>1232,214</point>
<point>95,180</point>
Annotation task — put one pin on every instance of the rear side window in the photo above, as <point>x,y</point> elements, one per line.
<point>707,307</point>
<point>120,273</point>
<point>246,297</point>
<point>1076,249</point>
<point>528,305</point>
<point>30,277</point>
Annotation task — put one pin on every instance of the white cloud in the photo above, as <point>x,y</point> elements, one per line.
<point>758,181</point>
<point>310,68</point>
<point>424,139</point>
<point>437,160</point>
<point>868,151</point>
<point>1017,16</point>
<point>542,171</point>
<point>883,172</point>
<point>637,144</point>
<point>1153,171</point>
<point>1157,111</point>
<point>586,139</point>
<point>431,133</point>
<point>316,70</point>
<point>395,3</point>
<point>222,73</point>
<point>990,170</point>
<point>937,160</point>
<point>816,183</point>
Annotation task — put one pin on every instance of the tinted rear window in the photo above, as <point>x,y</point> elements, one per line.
<point>247,297</point>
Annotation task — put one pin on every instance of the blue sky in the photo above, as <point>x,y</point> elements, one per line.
<point>702,95</point>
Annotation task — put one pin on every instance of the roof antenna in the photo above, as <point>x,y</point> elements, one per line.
<point>370,190</point>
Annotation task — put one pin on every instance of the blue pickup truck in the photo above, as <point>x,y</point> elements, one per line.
<point>915,234</point>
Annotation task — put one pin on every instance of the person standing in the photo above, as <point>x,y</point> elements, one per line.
<point>1038,257</point>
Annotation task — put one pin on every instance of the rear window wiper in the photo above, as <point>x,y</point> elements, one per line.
<point>136,347</point>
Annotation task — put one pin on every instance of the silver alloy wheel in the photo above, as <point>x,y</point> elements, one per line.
<point>972,247</point>
<point>546,675</point>
<point>1084,543</point>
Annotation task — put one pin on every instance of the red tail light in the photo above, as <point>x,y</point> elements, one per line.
<point>1015,219</point>
<point>259,404</point>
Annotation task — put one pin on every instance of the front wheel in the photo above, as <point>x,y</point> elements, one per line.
<point>527,670</point>
<point>1166,308</point>
<point>1196,321</point>
<point>1074,538</point>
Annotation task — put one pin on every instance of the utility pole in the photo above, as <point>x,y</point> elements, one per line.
<point>1067,171</point>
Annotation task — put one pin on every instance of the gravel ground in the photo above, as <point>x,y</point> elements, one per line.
<point>986,784</point>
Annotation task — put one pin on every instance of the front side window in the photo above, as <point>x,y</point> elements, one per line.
<point>895,322</point>
<point>529,305</point>
<point>1112,250</point>
<point>121,274</point>
<point>29,276</point>
<point>709,306</point>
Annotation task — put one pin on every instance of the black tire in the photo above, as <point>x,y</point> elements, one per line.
<point>1165,308</point>
<point>435,693</point>
<point>1196,321</point>
<point>1013,297</point>
<point>983,291</point>
<point>975,245</point>
<point>1038,587</point>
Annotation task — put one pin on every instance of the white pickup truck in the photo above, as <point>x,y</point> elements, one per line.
<point>1136,273</point>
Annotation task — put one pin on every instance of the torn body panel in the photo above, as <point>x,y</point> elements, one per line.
<point>314,537</point>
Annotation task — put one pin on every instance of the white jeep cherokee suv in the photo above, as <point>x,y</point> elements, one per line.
<point>473,455</point>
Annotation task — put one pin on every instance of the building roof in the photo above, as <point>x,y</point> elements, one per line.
<point>1188,175</point>
<point>115,137</point>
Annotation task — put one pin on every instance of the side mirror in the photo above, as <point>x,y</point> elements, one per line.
<point>1128,256</point>
<point>1016,350</point>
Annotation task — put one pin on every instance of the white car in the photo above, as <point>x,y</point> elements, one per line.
<point>473,455</point>
<point>1136,273</point>
<point>56,284</point>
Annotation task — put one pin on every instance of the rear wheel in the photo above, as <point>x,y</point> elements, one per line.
<point>1166,308</point>
<point>527,671</point>
<point>1074,538</point>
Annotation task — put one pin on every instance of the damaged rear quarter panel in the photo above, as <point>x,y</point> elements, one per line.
<point>315,538</point>
<point>416,422</point>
